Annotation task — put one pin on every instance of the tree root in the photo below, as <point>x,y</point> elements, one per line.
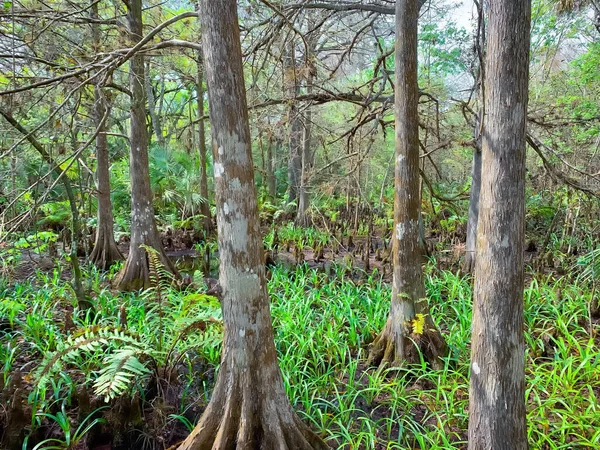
<point>429,345</point>
<point>105,252</point>
<point>247,413</point>
<point>135,274</point>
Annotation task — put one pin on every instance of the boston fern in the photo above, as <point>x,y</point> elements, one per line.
<point>114,359</point>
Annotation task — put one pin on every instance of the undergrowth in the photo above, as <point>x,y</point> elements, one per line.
<point>323,328</point>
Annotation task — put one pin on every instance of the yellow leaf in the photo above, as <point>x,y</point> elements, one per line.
<point>418,324</point>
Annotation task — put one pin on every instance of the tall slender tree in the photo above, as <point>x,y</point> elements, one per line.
<point>105,251</point>
<point>307,150</point>
<point>249,407</point>
<point>475,194</point>
<point>204,206</point>
<point>135,274</point>
<point>398,343</point>
<point>154,114</point>
<point>497,389</point>
<point>473,217</point>
<point>292,86</point>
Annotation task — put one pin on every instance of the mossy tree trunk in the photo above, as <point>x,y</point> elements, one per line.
<point>398,344</point>
<point>249,408</point>
<point>497,388</point>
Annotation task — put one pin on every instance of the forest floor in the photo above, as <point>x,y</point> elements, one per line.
<point>324,319</point>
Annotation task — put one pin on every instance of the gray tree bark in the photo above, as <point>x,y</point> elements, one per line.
<point>497,387</point>
<point>249,408</point>
<point>396,343</point>
<point>135,274</point>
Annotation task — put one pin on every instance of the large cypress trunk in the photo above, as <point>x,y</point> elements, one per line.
<point>249,408</point>
<point>497,390</point>
<point>398,344</point>
<point>135,274</point>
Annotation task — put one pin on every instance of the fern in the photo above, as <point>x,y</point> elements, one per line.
<point>124,367</point>
<point>161,279</point>
<point>88,340</point>
<point>172,325</point>
<point>124,358</point>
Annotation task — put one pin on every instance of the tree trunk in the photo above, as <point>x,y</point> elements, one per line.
<point>249,408</point>
<point>135,274</point>
<point>154,117</point>
<point>13,180</point>
<point>303,193</point>
<point>469,263</point>
<point>497,389</point>
<point>399,342</point>
<point>105,251</point>
<point>270,169</point>
<point>473,218</point>
<point>204,206</point>
<point>306,159</point>
<point>295,139</point>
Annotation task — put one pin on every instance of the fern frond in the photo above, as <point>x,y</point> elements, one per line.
<point>160,278</point>
<point>122,368</point>
<point>88,340</point>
